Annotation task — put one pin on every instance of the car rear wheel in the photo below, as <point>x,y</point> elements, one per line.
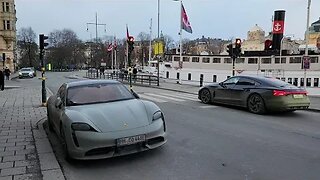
<point>256,104</point>
<point>205,96</point>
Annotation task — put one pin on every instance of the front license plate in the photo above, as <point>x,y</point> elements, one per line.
<point>298,96</point>
<point>130,140</point>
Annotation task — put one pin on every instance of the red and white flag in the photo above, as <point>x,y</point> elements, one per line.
<point>185,24</point>
<point>110,47</point>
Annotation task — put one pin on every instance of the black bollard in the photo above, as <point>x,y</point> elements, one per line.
<point>1,80</point>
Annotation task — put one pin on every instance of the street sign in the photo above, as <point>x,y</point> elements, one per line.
<point>103,64</point>
<point>158,48</point>
<point>306,62</point>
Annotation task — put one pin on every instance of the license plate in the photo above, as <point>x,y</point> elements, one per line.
<point>130,140</point>
<point>298,96</point>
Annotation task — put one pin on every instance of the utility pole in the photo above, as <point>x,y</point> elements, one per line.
<point>158,66</point>
<point>307,43</point>
<point>42,45</point>
<point>97,24</point>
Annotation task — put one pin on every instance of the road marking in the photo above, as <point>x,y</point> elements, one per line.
<point>49,92</point>
<point>171,98</point>
<point>152,98</point>
<point>180,96</point>
<point>207,107</point>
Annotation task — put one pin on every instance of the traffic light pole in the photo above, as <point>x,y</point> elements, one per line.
<point>43,90</point>
<point>233,65</point>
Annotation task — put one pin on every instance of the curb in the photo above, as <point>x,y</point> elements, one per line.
<point>11,87</point>
<point>49,166</point>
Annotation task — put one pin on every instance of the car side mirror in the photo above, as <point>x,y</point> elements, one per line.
<point>58,103</point>
<point>135,94</point>
<point>221,84</point>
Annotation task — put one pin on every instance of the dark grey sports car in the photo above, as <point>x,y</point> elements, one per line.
<point>102,118</point>
<point>258,94</point>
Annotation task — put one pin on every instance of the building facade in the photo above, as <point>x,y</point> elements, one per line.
<point>7,33</point>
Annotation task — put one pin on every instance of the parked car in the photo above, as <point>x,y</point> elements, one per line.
<point>102,118</point>
<point>258,94</point>
<point>34,71</point>
<point>26,73</point>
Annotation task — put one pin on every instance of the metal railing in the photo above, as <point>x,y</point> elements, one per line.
<point>124,77</point>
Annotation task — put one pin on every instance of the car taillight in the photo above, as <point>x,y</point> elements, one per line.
<point>285,93</point>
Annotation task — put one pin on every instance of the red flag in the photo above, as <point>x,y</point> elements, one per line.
<point>185,24</point>
<point>110,47</point>
<point>115,43</point>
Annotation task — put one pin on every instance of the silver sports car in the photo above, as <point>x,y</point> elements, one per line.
<point>102,118</point>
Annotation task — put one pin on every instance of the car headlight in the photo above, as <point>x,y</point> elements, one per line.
<point>82,127</point>
<point>157,115</point>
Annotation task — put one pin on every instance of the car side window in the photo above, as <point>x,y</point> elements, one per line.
<point>62,94</point>
<point>231,81</point>
<point>246,82</point>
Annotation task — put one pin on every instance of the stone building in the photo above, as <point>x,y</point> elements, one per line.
<point>255,40</point>
<point>7,33</point>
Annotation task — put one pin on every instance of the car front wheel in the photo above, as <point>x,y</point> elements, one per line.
<point>205,96</point>
<point>256,104</point>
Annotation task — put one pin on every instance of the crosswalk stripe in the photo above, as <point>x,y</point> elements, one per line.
<point>171,98</point>
<point>152,98</point>
<point>180,96</point>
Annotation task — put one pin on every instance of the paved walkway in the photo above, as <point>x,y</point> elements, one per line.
<point>25,152</point>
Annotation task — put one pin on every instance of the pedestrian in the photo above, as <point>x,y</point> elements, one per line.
<point>135,71</point>
<point>1,80</point>
<point>7,73</point>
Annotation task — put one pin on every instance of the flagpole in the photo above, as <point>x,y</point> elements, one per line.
<point>180,62</point>
<point>112,58</point>
<point>115,53</point>
<point>150,42</point>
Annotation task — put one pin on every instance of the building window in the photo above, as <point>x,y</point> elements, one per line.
<point>239,60</point>
<point>195,59</point>
<point>8,25</point>
<point>295,60</point>
<point>302,82</point>
<point>7,7</point>
<point>206,60</point>
<point>176,58</point>
<point>186,59</point>
<point>167,75</point>
<point>314,59</point>
<point>277,60</point>
<point>214,79</point>
<point>283,79</point>
<point>316,82</point>
<point>290,80</point>
<point>252,60</point>
<point>178,75</point>
<point>216,60</point>
<point>265,60</point>
<point>189,76</point>
<point>295,81</point>
<point>308,82</point>
<point>228,60</point>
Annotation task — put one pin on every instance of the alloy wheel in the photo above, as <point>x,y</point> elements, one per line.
<point>256,104</point>
<point>205,96</point>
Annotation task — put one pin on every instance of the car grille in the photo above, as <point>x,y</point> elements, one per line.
<point>99,151</point>
<point>155,140</point>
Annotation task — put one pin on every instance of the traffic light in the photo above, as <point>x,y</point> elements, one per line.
<point>130,41</point>
<point>237,50</point>
<point>230,50</point>
<point>42,39</point>
<point>268,45</point>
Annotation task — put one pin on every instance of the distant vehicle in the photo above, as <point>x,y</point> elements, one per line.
<point>34,71</point>
<point>258,94</point>
<point>101,118</point>
<point>26,73</point>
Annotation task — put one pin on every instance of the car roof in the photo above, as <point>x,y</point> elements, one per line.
<point>90,81</point>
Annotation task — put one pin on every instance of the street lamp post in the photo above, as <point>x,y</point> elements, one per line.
<point>180,34</point>
<point>158,66</point>
<point>307,43</point>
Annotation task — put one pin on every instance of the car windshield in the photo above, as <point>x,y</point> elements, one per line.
<point>25,69</point>
<point>97,93</point>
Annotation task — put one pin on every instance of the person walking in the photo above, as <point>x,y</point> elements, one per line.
<point>7,73</point>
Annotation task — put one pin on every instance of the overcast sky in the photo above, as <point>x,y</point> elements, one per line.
<point>212,18</point>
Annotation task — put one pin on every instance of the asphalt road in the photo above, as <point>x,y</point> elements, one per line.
<point>211,142</point>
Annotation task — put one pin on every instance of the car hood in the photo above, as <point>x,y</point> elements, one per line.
<point>114,116</point>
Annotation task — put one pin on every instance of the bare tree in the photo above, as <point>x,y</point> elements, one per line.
<point>66,49</point>
<point>27,47</point>
<point>143,51</point>
<point>169,42</point>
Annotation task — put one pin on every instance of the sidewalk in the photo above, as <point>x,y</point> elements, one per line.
<point>25,152</point>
